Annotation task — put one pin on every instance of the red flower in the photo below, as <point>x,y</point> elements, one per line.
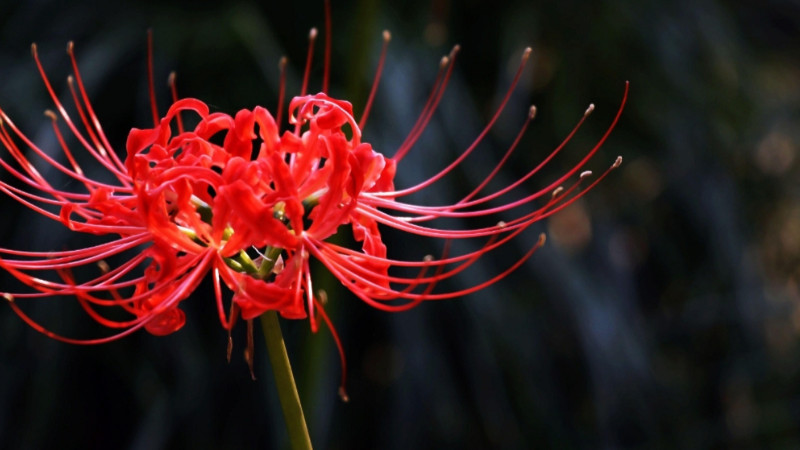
<point>184,206</point>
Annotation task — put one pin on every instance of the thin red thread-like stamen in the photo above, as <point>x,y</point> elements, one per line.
<point>150,79</point>
<point>281,91</point>
<point>376,81</point>
<point>174,91</point>
<point>103,156</point>
<point>312,37</point>
<point>443,77</point>
<point>477,140</point>
<point>326,72</point>
<point>338,342</point>
<point>106,150</point>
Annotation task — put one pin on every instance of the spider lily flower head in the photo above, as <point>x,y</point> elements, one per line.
<point>189,202</point>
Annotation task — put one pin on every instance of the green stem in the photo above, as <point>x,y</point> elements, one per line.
<point>284,381</point>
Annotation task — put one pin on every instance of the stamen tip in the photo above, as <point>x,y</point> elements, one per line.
<point>589,109</point>
<point>501,224</point>
<point>542,239</point>
<point>532,112</point>
<point>52,115</point>
<point>33,48</point>
<point>557,191</point>
<point>103,266</point>
<point>428,258</point>
<point>444,62</point>
<point>586,173</point>
<point>171,78</point>
<point>323,297</point>
<point>387,36</point>
<point>456,49</point>
<point>283,62</point>
<point>617,162</point>
<point>527,53</point>
<point>8,297</point>
<point>70,47</point>
<point>312,34</point>
<point>343,395</point>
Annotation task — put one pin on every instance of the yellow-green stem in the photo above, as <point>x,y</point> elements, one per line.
<point>284,381</point>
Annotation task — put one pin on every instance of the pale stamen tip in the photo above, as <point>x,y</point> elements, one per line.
<point>323,296</point>
<point>532,112</point>
<point>444,62</point>
<point>50,114</point>
<point>70,47</point>
<point>283,62</point>
<point>586,173</point>
<point>343,395</point>
<point>557,191</point>
<point>617,162</point>
<point>33,48</point>
<point>8,297</point>
<point>589,109</point>
<point>542,239</point>
<point>171,78</point>
<point>387,35</point>
<point>428,258</point>
<point>103,266</point>
<point>456,49</point>
<point>312,34</point>
<point>501,224</point>
<point>526,53</point>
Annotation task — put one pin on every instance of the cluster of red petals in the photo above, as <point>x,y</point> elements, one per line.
<point>236,197</point>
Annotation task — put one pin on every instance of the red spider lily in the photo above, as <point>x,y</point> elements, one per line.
<point>185,206</point>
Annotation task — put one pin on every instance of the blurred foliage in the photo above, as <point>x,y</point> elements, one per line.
<point>663,312</point>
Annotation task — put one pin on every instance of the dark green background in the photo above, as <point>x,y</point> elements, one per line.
<point>663,312</point>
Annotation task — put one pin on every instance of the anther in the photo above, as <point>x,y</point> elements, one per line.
<point>557,191</point>
<point>444,62</point>
<point>542,239</point>
<point>8,297</point>
<point>456,49</point>
<point>387,36</point>
<point>617,163</point>
<point>103,266</point>
<point>532,112</point>
<point>526,54</point>
<point>33,49</point>
<point>283,62</point>
<point>428,258</point>
<point>322,295</point>
<point>70,47</point>
<point>312,34</point>
<point>501,224</point>
<point>589,110</point>
<point>49,113</point>
<point>171,79</point>
<point>343,395</point>
<point>585,174</point>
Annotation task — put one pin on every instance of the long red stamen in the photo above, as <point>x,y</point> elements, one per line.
<point>312,37</point>
<point>376,81</point>
<point>174,91</point>
<point>150,79</point>
<point>326,72</point>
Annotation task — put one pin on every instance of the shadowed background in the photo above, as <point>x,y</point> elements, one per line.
<point>663,311</point>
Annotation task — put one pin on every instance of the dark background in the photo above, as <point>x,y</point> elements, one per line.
<point>664,310</point>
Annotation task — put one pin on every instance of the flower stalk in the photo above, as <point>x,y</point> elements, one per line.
<point>284,382</point>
